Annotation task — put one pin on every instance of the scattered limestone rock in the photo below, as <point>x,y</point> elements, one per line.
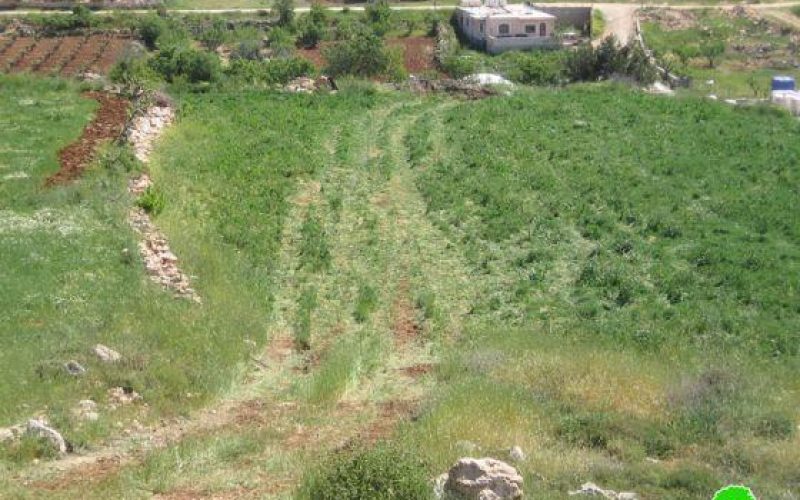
<point>146,128</point>
<point>517,454</point>
<point>11,433</point>
<point>74,368</point>
<point>483,479</point>
<point>159,261</point>
<point>106,354</point>
<point>591,489</point>
<point>120,396</point>
<point>39,428</point>
<point>86,410</point>
<point>306,85</point>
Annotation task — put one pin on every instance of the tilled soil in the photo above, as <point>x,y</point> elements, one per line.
<point>64,55</point>
<point>108,124</point>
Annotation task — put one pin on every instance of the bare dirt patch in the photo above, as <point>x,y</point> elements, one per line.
<point>405,326</point>
<point>418,53</point>
<point>107,125</point>
<point>418,370</point>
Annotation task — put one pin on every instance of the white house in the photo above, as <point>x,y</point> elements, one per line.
<point>497,26</point>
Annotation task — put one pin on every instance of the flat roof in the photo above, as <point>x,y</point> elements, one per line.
<point>512,11</point>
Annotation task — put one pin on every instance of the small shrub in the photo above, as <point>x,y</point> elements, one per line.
<point>592,430</point>
<point>285,10</point>
<point>150,30</point>
<point>314,252</point>
<point>305,308</point>
<point>152,201</point>
<point>380,473</point>
<point>366,302</point>
<point>272,72</point>
<point>774,425</point>
<point>214,36</point>
<point>379,17</point>
<point>249,50</point>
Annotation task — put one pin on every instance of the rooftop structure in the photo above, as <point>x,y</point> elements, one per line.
<point>497,26</point>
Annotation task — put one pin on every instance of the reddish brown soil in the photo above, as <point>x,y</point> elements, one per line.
<point>419,370</point>
<point>39,51</point>
<point>67,55</point>
<point>107,124</point>
<point>15,51</point>
<point>391,413</point>
<point>417,53</point>
<point>404,316</point>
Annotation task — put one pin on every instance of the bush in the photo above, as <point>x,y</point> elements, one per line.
<point>152,201</point>
<point>281,42</point>
<point>380,473</point>
<point>247,49</point>
<point>364,55</point>
<point>379,16</point>
<point>150,29</point>
<point>285,10</point>
<point>273,72</point>
<point>312,26</point>
<point>610,59</point>
<point>134,71</point>
<point>214,36</point>
<point>192,64</point>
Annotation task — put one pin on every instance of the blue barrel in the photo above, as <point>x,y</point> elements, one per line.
<point>782,83</point>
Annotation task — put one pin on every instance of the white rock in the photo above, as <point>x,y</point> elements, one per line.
<point>484,479</point>
<point>591,489</point>
<point>517,454</point>
<point>487,79</point>
<point>106,354</point>
<point>39,429</point>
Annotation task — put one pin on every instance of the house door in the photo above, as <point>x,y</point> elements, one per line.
<point>543,29</point>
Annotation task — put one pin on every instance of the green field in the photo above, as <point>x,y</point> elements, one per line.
<point>604,278</point>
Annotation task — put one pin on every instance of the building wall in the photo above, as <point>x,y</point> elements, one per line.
<point>491,39</point>
<point>580,17</point>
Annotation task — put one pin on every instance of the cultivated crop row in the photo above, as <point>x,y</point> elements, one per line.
<point>65,56</point>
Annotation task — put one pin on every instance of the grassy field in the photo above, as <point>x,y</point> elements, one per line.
<point>606,279</point>
<point>754,50</point>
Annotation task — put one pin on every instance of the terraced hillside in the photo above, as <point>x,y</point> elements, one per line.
<point>63,55</point>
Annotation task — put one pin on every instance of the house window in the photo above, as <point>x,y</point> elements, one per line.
<point>503,29</point>
<point>542,29</point>
<point>481,25</point>
<point>530,29</point>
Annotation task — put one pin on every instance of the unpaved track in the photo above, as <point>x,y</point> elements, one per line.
<point>370,173</point>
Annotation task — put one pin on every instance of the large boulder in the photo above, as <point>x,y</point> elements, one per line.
<point>483,479</point>
<point>38,428</point>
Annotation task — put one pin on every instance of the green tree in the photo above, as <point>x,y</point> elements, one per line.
<point>379,16</point>
<point>312,26</point>
<point>150,30</point>
<point>712,51</point>
<point>285,10</point>
<point>363,55</point>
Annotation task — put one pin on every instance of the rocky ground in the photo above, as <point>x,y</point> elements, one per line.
<point>161,264</point>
